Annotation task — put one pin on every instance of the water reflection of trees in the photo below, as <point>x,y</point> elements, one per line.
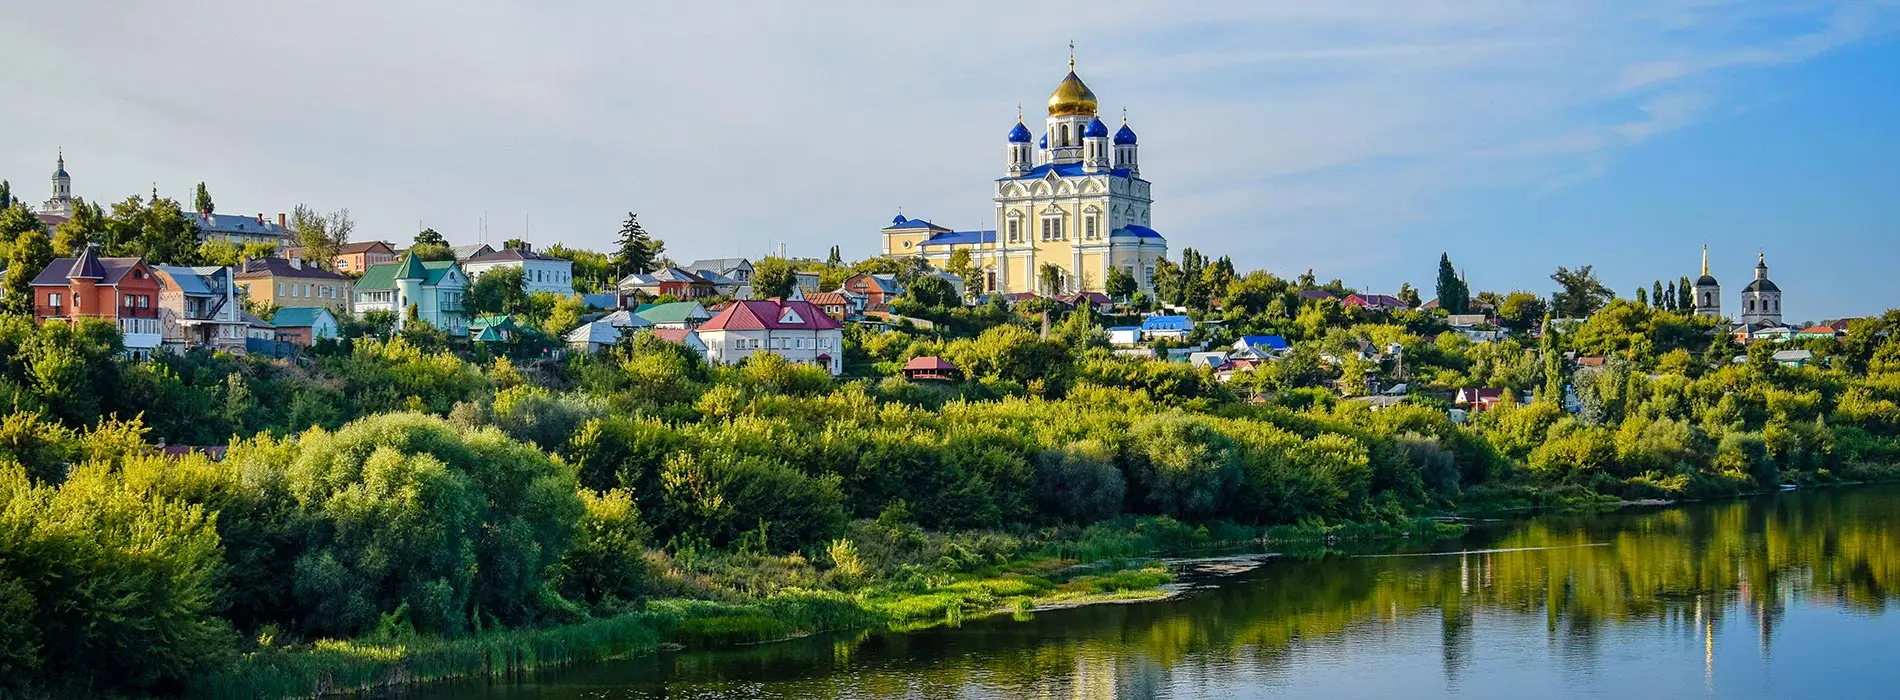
<point>1687,570</point>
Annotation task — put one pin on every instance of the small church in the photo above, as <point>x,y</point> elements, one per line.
<point>1761,299</point>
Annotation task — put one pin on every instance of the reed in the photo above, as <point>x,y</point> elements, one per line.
<point>332,667</point>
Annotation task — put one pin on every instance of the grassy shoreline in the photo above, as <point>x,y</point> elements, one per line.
<point>1059,575</point>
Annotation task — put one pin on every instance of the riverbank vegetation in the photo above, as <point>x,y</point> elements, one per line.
<point>406,513</point>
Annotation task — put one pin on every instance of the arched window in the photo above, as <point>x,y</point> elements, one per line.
<point>1751,305</point>
<point>1063,138</point>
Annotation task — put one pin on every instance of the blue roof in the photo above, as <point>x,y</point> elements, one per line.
<point>228,224</point>
<point>1095,128</point>
<point>1138,231</point>
<point>1167,323</point>
<point>1068,170</point>
<point>1044,143</point>
<point>962,238</point>
<point>1271,341</point>
<point>901,222</point>
<point>1020,134</point>
<point>1125,136</point>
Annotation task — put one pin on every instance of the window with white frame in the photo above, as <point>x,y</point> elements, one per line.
<point>1052,228</point>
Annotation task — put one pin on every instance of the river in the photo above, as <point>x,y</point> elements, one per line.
<point>1782,596</point>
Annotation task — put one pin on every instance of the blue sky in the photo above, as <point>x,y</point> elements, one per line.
<point>1357,139</point>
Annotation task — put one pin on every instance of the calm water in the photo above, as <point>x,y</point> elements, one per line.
<point>1787,596</point>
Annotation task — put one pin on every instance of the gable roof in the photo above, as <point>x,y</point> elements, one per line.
<point>600,332</point>
<point>464,252</point>
<point>384,275</point>
<point>301,316</point>
<point>827,299</point>
<point>107,270</point>
<point>364,247</point>
<point>280,267</point>
<point>625,319</point>
<point>1167,323</point>
<point>509,255</point>
<point>200,281</point>
<point>231,223</point>
<point>671,312</point>
<point>1271,341</point>
<point>720,264</point>
<point>929,363</point>
<point>769,314</point>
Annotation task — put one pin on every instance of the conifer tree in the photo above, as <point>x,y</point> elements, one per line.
<point>635,250</point>
<point>203,200</point>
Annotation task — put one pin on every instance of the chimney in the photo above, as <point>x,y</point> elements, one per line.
<point>260,218</point>
<point>280,221</point>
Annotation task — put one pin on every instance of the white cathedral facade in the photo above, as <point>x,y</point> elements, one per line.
<point>1069,210</point>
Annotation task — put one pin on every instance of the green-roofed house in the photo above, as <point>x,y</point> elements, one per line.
<point>682,315</point>
<point>434,287</point>
<point>305,325</point>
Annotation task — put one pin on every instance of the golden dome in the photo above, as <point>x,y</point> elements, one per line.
<point>1071,97</point>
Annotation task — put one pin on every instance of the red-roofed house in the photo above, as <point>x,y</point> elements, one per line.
<point>1375,302</point>
<point>795,330</point>
<point>682,336</point>
<point>931,368</point>
<point>121,290</point>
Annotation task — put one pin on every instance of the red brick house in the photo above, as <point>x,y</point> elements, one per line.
<point>878,290</point>
<point>122,290</point>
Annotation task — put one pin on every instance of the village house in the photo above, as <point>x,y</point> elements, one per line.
<point>878,290</point>
<point>682,337</point>
<point>287,283</point>
<point>305,325</point>
<point>1376,302</point>
<point>670,282</point>
<point>539,272</point>
<point>794,330</point>
<point>1171,327</point>
<point>834,304</point>
<point>1260,347</point>
<point>198,308</point>
<point>354,258</point>
<point>931,368</point>
<point>241,229</point>
<point>119,290</point>
<point>435,288</point>
<point>682,315</point>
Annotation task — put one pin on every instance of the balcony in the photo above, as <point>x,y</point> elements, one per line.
<point>68,312</point>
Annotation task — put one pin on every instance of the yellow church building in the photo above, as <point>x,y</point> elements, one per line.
<point>1076,201</point>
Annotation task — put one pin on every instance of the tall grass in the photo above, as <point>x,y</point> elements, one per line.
<point>334,667</point>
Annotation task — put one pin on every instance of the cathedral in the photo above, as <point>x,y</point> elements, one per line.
<point>1069,209</point>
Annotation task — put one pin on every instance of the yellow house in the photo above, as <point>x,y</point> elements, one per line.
<point>1068,210</point>
<point>290,283</point>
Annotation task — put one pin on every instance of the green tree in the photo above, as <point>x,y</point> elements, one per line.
<point>429,252</point>
<point>6,195</point>
<point>1167,284</point>
<point>502,290</point>
<point>1579,292</point>
<point>31,254</point>
<point>1685,296</point>
<point>87,225</point>
<point>1521,311</point>
<point>321,235</point>
<point>963,265</point>
<point>430,236</point>
<point>1656,297</point>
<point>1120,285</point>
<point>1049,277</point>
<point>835,259</point>
<point>201,201</point>
<point>1453,296</point>
<point>1183,467</point>
<point>773,278</point>
<point>1409,295</point>
<point>1669,297</point>
<point>1553,361</point>
<point>1642,296</point>
<point>635,251</point>
<point>933,292</point>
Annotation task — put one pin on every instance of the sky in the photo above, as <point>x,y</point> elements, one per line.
<point>1356,139</point>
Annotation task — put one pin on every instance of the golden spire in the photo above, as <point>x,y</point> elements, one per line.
<point>1705,260</point>
<point>1071,97</point>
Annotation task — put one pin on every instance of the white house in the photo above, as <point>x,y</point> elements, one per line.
<point>539,273</point>
<point>795,330</point>
<point>593,337</point>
